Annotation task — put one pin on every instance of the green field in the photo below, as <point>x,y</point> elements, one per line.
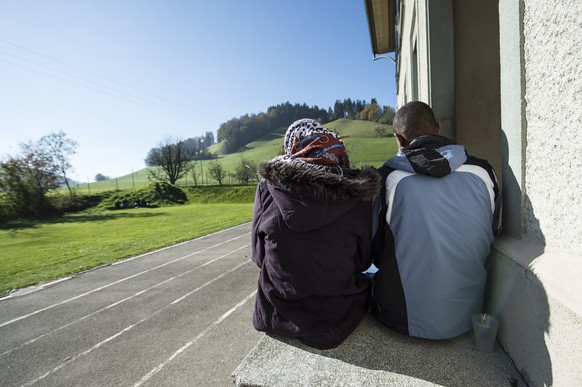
<point>357,128</point>
<point>37,251</point>
<point>362,142</point>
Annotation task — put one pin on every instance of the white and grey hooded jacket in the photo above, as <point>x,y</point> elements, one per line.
<point>440,210</point>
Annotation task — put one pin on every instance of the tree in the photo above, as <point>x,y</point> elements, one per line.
<point>387,115</point>
<point>338,109</point>
<point>172,159</point>
<point>208,139</point>
<point>25,180</point>
<point>216,171</point>
<point>195,173</point>
<point>101,177</point>
<point>58,148</point>
<point>349,108</point>
<point>238,132</point>
<point>330,115</point>
<point>245,171</point>
<point>381,131</point>
<point>372,112</point>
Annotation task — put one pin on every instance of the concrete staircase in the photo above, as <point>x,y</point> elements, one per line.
<point>373,355</point>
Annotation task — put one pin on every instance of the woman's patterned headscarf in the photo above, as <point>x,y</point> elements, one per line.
<point>309,142</point>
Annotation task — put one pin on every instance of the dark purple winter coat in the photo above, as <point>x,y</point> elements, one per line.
<point>312,239</point>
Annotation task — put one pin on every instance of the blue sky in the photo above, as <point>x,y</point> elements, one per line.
<point>120,76</point>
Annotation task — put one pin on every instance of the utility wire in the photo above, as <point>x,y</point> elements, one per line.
<point>102,77</point>
<point>149,106</point>
<point>108,79</point>
<point>161,108</point>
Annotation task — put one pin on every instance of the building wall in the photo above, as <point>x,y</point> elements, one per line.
<point>413,55</point>
<point>407,84</point>
<point>552,32</point>
<point>426,68</point>
<point>476,69</point>
<point>536,265</point>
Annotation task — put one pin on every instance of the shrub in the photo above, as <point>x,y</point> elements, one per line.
<point>222,194</point>
<point>75,202</point>
<point>155,194</point>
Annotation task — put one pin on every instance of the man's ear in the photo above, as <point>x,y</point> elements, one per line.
<point>438,128</point>
<point>400,141</point>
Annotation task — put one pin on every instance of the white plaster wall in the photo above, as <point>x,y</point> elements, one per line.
<point>553,95</point>
<point>414,27</point>
<point>537,295</point>
<point>534,279</point>
<point>405,54</point>
<point>423,51</point>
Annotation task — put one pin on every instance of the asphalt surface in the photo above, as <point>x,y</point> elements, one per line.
<point>179,316</point>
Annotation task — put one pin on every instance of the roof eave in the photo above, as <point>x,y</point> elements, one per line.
<point>381,23</point>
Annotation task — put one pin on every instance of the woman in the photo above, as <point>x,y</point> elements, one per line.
<point>312,238</point>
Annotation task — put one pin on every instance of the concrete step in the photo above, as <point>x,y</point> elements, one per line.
<point>373,355</point>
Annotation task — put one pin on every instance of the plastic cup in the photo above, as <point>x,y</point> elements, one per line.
<point>485,331</point>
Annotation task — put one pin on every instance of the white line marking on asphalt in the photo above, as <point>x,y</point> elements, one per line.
<point>36,288</point>
<point>71,359</point>
<point>126,329</point>
<point>116,282</point>
<point>191,342</point>
<point>176,245</point>
<point>120,302</point>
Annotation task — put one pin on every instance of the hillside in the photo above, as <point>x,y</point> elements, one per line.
<point>357,128</point>
<point>362,141</point>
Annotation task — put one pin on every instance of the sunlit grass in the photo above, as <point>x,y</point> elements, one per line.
<point>33,252</point>
<point>36,251</point>
<point>357,128</point>
<point>360,137</point>
<point>370,151</point>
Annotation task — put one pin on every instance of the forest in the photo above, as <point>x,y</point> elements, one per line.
<point>237,132</point>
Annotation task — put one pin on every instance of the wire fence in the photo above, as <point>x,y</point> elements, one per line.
<point>135,181</point>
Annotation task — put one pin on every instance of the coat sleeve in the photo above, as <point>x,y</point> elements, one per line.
<point>496,223</point>
<point>258,240</point>
<point>365,240</point>
<point>378,220</point>
<point>382,235</point>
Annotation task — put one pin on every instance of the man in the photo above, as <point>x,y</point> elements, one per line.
<point>440,210</point>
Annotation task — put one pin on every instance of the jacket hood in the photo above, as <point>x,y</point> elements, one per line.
<point>430,155</point>
<point>309,199</point>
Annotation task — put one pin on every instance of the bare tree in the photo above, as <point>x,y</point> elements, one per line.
<point>195,173</point>
<point>381,131</point>
<point>216,171</point>
<point>58,148</point>
<point>245,171</point>
<point>170,161</point>
<point>26,178</point>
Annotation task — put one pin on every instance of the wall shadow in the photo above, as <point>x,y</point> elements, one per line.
<point>514,293</point>
<point>20,225</point>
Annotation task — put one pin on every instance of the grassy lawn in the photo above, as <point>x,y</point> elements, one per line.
<point>356,128</point>
<point>38,251</point>
<point>360,137</point>
<point>362,150</point>
<point>370,151</point>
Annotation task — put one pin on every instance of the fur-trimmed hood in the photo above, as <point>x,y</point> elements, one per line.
<point>308,198</point>
<point>355,184</point>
